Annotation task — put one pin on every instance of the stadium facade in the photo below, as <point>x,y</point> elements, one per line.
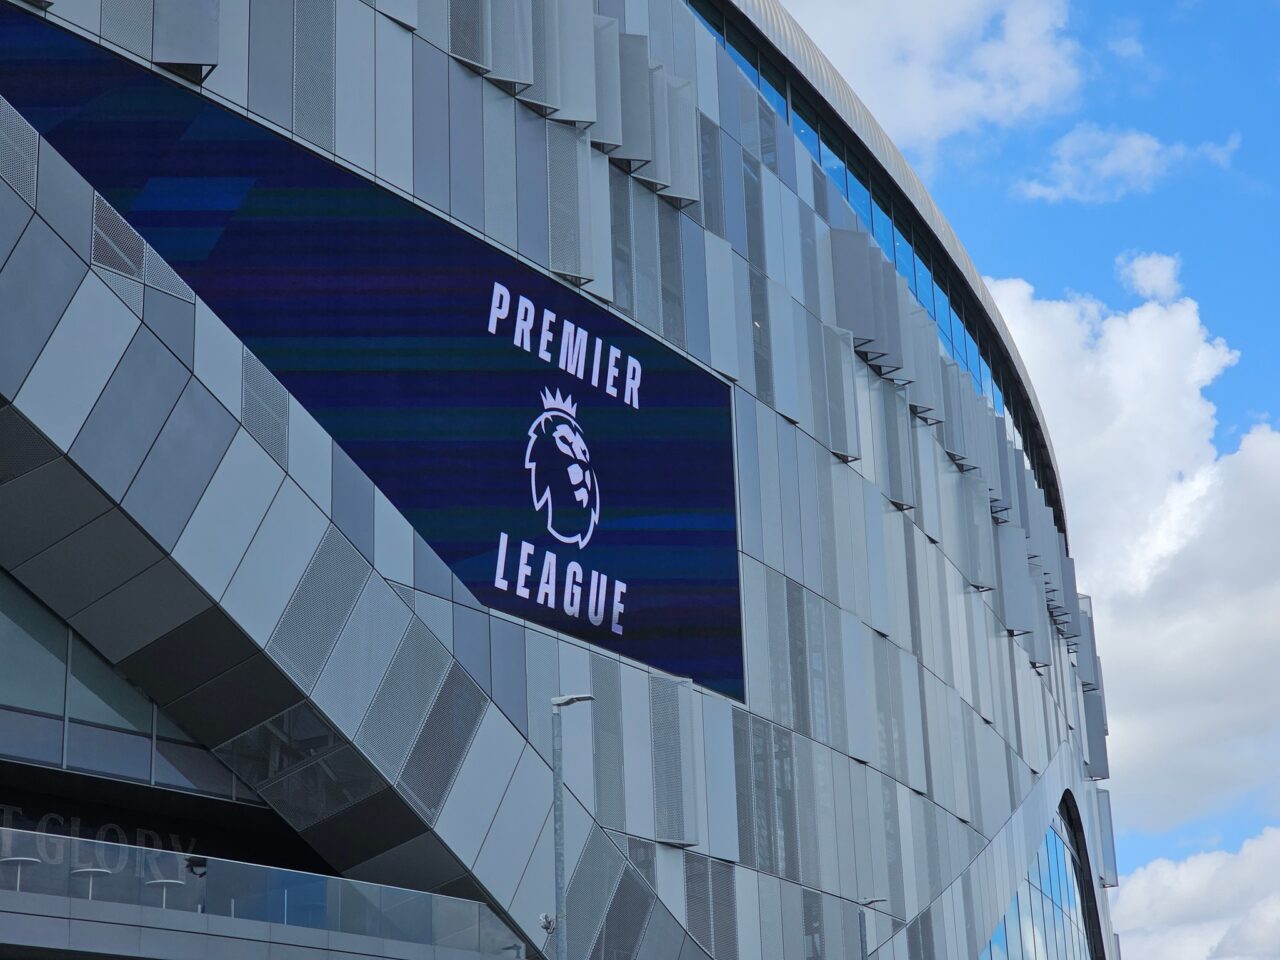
<point>374,371</point>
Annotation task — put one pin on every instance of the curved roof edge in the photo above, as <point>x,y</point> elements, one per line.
<point>781,29</point>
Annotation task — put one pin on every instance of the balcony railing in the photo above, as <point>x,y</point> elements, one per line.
<point>52,865</point>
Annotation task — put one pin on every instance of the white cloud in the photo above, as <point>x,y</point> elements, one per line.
<point>1127,48</point>
<point>1175,541</point>
<point>1096,165</point>
<point>930,69</point>
<point>1211,906</point>
<point>1150,275</point>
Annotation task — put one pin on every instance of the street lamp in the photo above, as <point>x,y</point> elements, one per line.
<point>862,923</point>
<point>557,926</point>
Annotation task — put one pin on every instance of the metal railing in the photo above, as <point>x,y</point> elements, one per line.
<point>53,865</point>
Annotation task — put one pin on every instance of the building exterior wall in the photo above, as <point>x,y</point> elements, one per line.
<point>922,683</point>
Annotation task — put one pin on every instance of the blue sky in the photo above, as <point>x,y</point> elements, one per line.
<point>1205,71</point>
<point>1112,167</point>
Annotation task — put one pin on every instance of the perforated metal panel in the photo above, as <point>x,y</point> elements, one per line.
<point>322,788</point>
<point>442,743</point>
<point>160,275</point>
<point>314,71</point>
<point>620,222</point>
<point>126,288</point>
<point>469,31</point>
<point>320,605</point>
<point>116,245</point>
<point>563,199</point>
<point>606,722</point>
<point>128,23</point>
<point>764,800</point>
<point>744,796</point>
<point>264,408</point>
<point>511,42</point>
<point>19,151</point>
<point>697,900</point>
<point>625,920</point>
<point>724,910</point>
<point>671,269</point>
<point>22,449</point>
<point>643,855</point>
<point>590,890</point>
<point>669,786</point>
<point>815,942</point>
<point>403,700</point>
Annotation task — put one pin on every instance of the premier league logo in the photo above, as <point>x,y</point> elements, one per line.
<point>560,473</point>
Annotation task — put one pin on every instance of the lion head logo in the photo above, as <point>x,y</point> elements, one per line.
<point>560,473</point>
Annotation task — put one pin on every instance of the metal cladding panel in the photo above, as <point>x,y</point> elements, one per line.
<point>129,24</point>
<point>314,72</point>
<point>673,786</point>
<point>186,35</point>
<point>318,610</point>
<point>469,31</point>
<point>606,131</point>
<point>637,145</point>
<point>591,888</point>
<point>626,919</point>
<point>442,744</point>
<point>271,60</point>
<point>607,746</point>
<point>403,700</point>
<point>511,42</point>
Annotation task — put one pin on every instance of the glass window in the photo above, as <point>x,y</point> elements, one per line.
<point>191,767</point>
<point>904,256</point>
<point>743,52</point>
<point>881,224</point>
<point>805,123</point>
<point>100,695</point>
<point>115,752</point>
<point>997,396</point>
<point>773,84</point>
<point>833,160</point>
<point>31,736</point>
<point>924,284</point>
<point>859,191</point>
<point>710,17</point>
<point>33,643</point>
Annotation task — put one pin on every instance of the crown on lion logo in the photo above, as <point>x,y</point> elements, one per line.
<point>563,404</point>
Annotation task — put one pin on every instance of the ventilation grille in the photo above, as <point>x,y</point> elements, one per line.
<point>625,920</point>
<point>264,408</point>
<point>313,71</point>
<point>19,150</point>
<point>442,743</point>
<point>128,23</point>
<point>594,881</point>
<point>403,700</point>
<point>161,276</point>
<point>324,598</point>
<point>606,721</point>
<point>563,197</point>
<point>22,449</point>
<point>116,245</point>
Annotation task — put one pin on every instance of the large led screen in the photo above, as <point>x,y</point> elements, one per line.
<point>568,467</point>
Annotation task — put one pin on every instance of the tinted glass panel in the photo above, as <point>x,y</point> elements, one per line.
<point>100,695</point>
<point>29,736</point>
<point>881,224</point>
<point>743,52</point>
<point>33,648</point>
<point>904,257</point>
<point>773,84</point>
<point>113,752</point>
<point>805,123</point>
<point>833,162</point>
<point>191,768</point>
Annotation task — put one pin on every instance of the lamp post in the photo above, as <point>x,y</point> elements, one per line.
<point>862,923</point>
<point>557,773</point>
